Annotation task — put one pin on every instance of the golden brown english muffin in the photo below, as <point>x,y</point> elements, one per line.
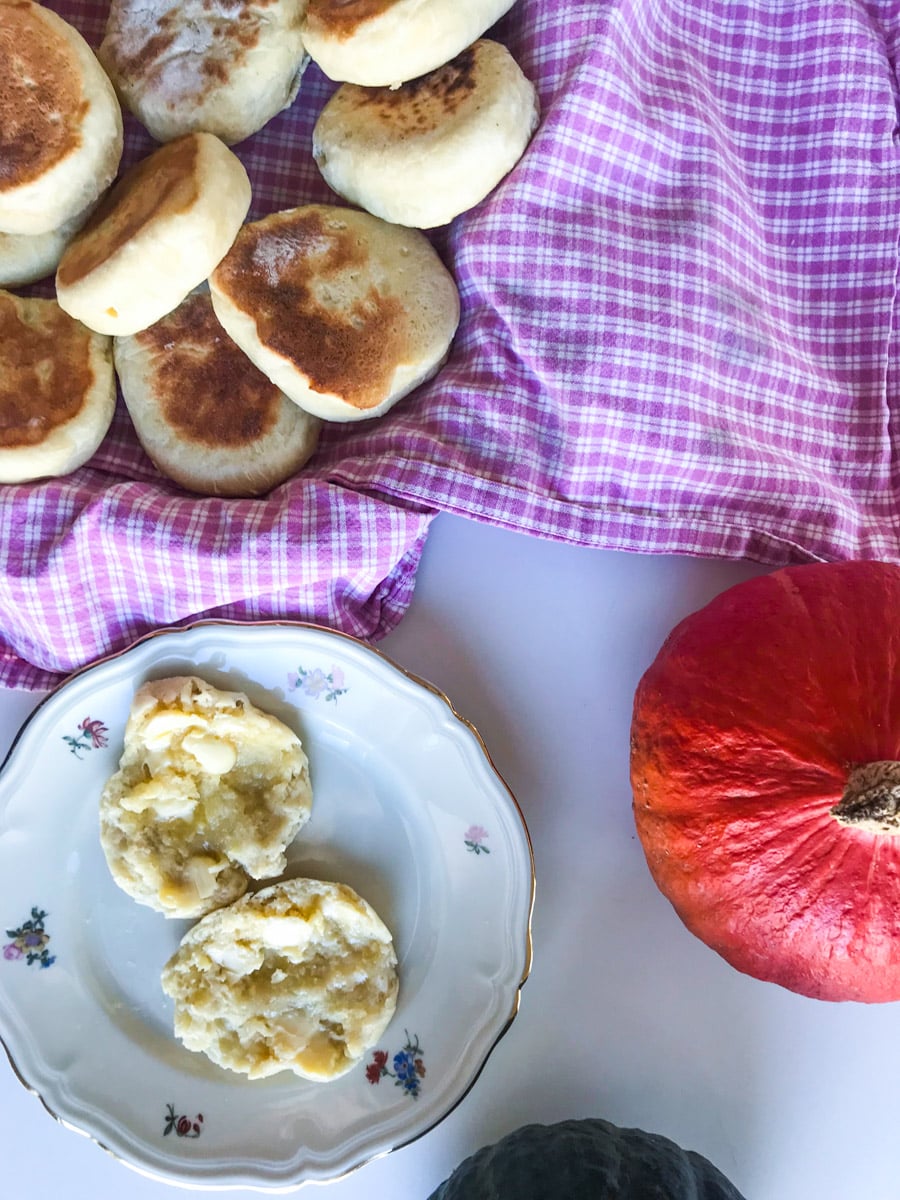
<point>301,976</point>
<point>57,390</point>
<point>209,419</point>
<point>434,147</point>
<point>223,66</point>
<point>209,793</point>
<point>60,121</point>
<point>344,312</point>
<point>385,42</point>
<point>155,236</point>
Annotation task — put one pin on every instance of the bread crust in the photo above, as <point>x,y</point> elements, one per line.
<point>155,236</point>
<point>57,390</point>
<point>344,312</point>
<point>28,257</point>
<point>61,132</point>
<point>380,43</point>
<point>207,417</point>
<point>424,152</point>
<point>222,66</point>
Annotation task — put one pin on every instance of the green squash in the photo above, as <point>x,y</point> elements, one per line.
<point>585,1159</point>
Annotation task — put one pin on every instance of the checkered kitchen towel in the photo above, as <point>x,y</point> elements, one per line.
<point>677,336</point>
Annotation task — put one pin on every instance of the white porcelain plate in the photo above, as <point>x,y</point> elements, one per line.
<point>408,810</point>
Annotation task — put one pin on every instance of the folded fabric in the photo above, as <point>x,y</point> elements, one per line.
<point>129,557</point>
<point>677,336</point>
<point>679,327</point>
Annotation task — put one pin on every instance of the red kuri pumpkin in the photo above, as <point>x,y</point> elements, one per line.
<point>765,766</point>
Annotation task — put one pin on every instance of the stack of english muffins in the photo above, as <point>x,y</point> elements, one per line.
<point>234,334</point>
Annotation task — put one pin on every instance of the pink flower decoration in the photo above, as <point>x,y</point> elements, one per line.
<point>96,730</point>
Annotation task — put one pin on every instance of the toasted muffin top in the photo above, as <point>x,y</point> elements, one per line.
<point>46,369</point>
<point>163,183</point>
<point>313,280</point>
<point>42,102</point>
<point>429,105</point>
<point>208,390</point>
<point>342,18</point>
<point>184,48</point>
<point>423,104</point>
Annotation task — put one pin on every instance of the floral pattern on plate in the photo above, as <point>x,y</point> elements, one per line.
<point>319,684</point>
<point>29,941</point>
<point>474,839</point>
<point>182,1126</point>
<point>408,1064</point>
<point>92,735</point>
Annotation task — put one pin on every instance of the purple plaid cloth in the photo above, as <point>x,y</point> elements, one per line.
<point>677,337</point>
<point>679,308</point>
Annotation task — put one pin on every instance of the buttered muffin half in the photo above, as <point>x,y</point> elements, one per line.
<point>223,66</point>
<point>422,153</point>
<point>209,419</point>
<point>60,121</point>
<point>344,312</point>
<point>209,793</point>
<point>385,42</point>
<point>57,390</point>
<point>155,236</point>
<point>301,976</point>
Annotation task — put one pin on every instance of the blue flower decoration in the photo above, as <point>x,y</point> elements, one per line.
<point>409,1067</point>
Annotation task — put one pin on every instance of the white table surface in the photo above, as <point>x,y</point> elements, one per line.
<point>626,1015</point>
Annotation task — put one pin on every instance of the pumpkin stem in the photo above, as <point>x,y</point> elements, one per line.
<point>871,798</point>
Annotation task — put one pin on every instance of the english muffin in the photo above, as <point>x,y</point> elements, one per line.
<point>344,312</point>
<point>155,236</point>
<point>434,147</point>
<point>27,257</point>
<point>57,390</point>
<point>60,121</point>
<point>222,66</point>
<point>301,976</point>
<point>209,419</point>
<point>209,792</point>
<point>381,43</point>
